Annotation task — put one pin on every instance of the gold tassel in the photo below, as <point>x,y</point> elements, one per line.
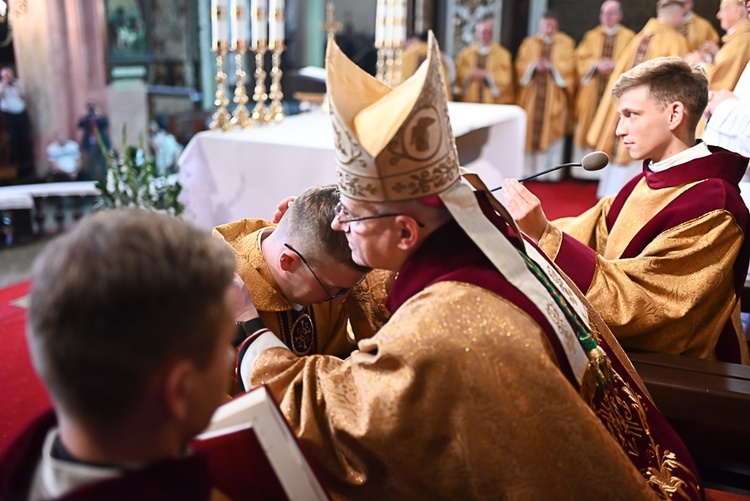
<point>600,367</point>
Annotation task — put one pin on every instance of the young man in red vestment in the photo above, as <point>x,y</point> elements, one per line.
<point>664,261</point>
<point>130,328</point>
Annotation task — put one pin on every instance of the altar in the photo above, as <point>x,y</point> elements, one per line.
<point>245,173</point>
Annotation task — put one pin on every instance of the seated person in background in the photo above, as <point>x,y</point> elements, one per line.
<point>492,379</point>
<point>130,328</point>
<point>64,157</point>
<point>165,148</point>
<point>300,274</point>
<point>663,261</point>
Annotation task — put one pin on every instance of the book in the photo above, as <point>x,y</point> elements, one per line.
<point>252,453</point>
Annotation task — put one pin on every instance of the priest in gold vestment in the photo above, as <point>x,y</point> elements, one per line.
<point>596,55</point>
<point>697,30</point>
<point>325,311</point>
<point>484,70</point>
<point>658,38</point>
<point>725,65</point>
<point>546,71</point>
<point>493,378</point>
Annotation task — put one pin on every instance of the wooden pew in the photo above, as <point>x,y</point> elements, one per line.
<point>708,403</point>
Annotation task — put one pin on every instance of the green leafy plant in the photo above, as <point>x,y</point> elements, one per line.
<point>132,181</point>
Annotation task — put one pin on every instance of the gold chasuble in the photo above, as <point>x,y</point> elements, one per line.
<point>664,261</point>
<point>595,45</point>
<point>698,30</point>
<point>656,39</point>
<point>731,59</point>
<point>498,88</point>
<point>546,96</point>
<point>320,328</point>
<point>493,378</point>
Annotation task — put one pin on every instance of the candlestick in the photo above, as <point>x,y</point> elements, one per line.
<point>260,111</point>
<point>219,27</point>
<point>221,118</point>
<point>276,112</point>
<point>241,115</point>
<point>238,22</point>
<point>259,23</point>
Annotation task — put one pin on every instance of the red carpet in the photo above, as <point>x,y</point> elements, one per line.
<point>22,395</point>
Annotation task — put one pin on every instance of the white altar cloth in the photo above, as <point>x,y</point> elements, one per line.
<point>245,173</point>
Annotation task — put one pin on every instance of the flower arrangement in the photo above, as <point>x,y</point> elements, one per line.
<point>132,181</point>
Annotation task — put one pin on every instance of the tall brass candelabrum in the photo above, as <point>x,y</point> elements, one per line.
<point>260,111</point>
<point>221,118</point>
<point>241,115</point>
<point>276,111</point>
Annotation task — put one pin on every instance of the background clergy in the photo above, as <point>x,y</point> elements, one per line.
<point>546,69</point>
<point>485,70</point>
<point>696,29</point>
<point>595,56</point>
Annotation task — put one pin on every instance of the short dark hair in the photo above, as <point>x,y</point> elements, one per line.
<point>308,223</point>
<point>114,300</point>
<point>669,79</point>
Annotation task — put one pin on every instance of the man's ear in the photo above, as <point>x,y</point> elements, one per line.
<point>676,114</point>
<point>177,389</point>
<point>288,260</point>
<point>408,232</point>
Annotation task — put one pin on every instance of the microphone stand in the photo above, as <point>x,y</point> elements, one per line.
<point>572,164</point>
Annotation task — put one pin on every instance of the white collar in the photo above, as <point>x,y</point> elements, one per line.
<point>55,477</point>
<point>610,32</point>
<point>700,150</point>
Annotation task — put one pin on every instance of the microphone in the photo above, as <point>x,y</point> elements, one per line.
<point>596,160</point>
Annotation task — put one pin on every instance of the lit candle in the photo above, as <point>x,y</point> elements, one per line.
<point>276,23</point>
<point>219,25</point>
<point>238,9</point>
<point>380,24</point>
<point>388,18</point>
<point>259,22</point>
<point>399,23</point>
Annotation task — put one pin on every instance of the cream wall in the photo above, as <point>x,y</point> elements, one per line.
<point>60,55</point>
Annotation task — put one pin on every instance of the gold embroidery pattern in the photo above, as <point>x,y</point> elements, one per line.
<point>302,335</point>
<point>623,413</point>
<point>352,186</point>
<point>426,181</point>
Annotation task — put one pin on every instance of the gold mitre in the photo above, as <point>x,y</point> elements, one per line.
<point>391,144</point>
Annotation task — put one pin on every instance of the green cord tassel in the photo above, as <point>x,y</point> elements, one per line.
<point>598,360</point>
